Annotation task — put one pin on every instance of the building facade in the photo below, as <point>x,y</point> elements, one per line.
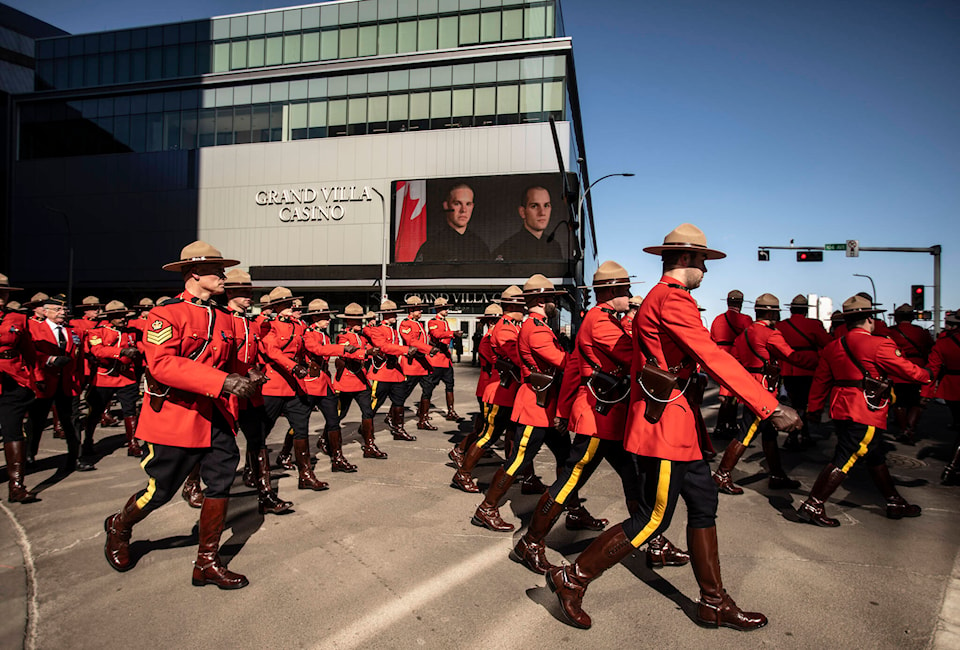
<point>336,148</point>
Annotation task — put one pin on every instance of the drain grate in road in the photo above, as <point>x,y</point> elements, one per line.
<point>896,460</point>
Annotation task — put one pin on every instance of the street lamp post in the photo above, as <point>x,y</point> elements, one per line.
<point>386,247</point>
<point>583,196</point>
<point>873,287</point>
<point>66,221</point>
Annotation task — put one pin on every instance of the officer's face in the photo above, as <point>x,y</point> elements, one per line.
<point>91,314</point>
<point>696,267</point>
<point>459,207</point>
<point>240,297</point>
<point>621,299</point>
<point>389,319</point>
<point>118,322</point>
<point>55,313</point>
<point>536,211</point>
<point>210,277</point>
<point>4,296</point>
<point>415,314</point>
<point>443,313</point>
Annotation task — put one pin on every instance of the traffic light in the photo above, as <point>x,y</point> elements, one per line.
<point>809,256</point>
<point>763,255</point>
<point>916,297</point>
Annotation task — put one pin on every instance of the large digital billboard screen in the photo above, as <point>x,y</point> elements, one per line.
<point>469,220</point>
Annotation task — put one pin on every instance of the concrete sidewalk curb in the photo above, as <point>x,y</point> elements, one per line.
<point>947,634</point>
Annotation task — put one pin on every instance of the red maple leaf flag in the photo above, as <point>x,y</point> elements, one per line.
<point>412,221</point>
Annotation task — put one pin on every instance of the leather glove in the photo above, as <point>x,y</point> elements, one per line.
<point>130,353</point>
<point>299,371</point>
<point>562,425</point>
<point>434,351</point>
<point>349,349</point>
<point>238,385</point>
<point>256,376</point>
<point>785,418</point>
<point>411,353</point>
<point>60,361</point>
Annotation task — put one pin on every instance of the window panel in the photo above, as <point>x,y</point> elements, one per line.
<point>238,55</point>
<point>274,50</point>
<point>377,109</point>
<point>420,78</point>
<point>298,89</point>
<point>241,124</point>
<point>531,68</point>
<point>513,24</point>
<point>188,60</point>
<point>367,41</point>
<point>386,9</point>
<point>221,57</point>
<point>551,25</point>
<point>221,28</point>
<point>469,5</point>
<point>171,64</point>
<point>490,27</point>
<point>171,101</point>
<point>329,15</point>
<point>329,44</point>
<point>154,63</point>
<point>427,34</point>
<point>357,84</point>
<point>317,114</point>
<point>255,53</point>
<point>425,7</point>
<point>238,26</point>
<point>138,132</point>
<point>486,72</point>
<point>377,82</point>
<point>554,66</point>
<point>337,112</point>
<point>317,88</point>
<point>463,102</point>
<point>553,96</point>
<point>407,36</point>
<point>531,98</point>
<point>310,18</point>
<point>76,72</point>
<point>348,43</point>
<point>279,91</point>
<point>387,39</point>
<point>274,22</point>
<point>469,29</point>
<point>154,132</point>
<point>138,65</point>
<point>291,20</point>
<point>508,70</point>
<point>348,13</point>
<point>419,106</point>
<point>256,24</point>
<point>203,58</point>
<point>121,130</point>
<point>91,70</point>
<point>406,8</point>
<point>367,11</point>
<point>447,33</point>
<point>311,47</point>
<point>138,104</point>
<point>397,107</point>
<point>336,86</point>
<point>241,95</point>
<point>276,122</point>
<point>441,76</point>
<point>223,97</point>
<point>260,124</point>
<point>440,103</point>
<point>291,48</point>
<point>534,22</point>
<point>508,99</point>
<point>297,122</point>
<point>398,80</point>
<point>462,74</point>
<point>357,110</point>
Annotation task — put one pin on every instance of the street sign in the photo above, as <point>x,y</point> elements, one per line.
<point>853,248</point>
<point>834,247</point>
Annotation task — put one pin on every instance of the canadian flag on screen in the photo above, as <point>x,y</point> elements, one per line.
<point>412,220</point>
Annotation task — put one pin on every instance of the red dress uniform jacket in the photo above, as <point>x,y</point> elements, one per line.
<point>16,349</point>
<point>807,338</point>
<point>440,336</point>
<point>112,370</point>
<point>770,345</point>
<point>282,349</point>
<point>247,336</point>
<point>46,346</point>
<point>880,329</point>
<point>177,331</point>
<point>914,341</point>
<point>82,326</point>
<point>349,381</point>
<point>601,342</point>
<point>668,327</point>
<point>879,356</point>
<point>414,335</point>
<point>541,351</point>
<point>627,322</point>
<point>504,337</point>
<point>319,349</point>
<point>388,340</point>
<point>944,365</point>
<point>263,322</point>
<point>488,372</point>
<point>727,327</point>
<point>569,386</point>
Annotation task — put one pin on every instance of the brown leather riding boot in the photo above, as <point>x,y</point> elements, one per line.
<point>130,428</point>
<point>778,479</point>
<point>423,415</point>
<point>307,479</point>
<point>285,457</point>
<point>338,463</point>
<point>191,492</point>
<point>15,456</point>
<point>570,582</point>
<point>396,419</point>
<point>812,510</point>
<point>370,449</point>
<point>460,449</point>
<point>661,552</point>
<point>529,550</point>
<point>57,429</point>
<point>722,476</point>
<point>451,413</point>
<point>716,608</point>
<point>209,569</point>
<point>897,506</point>
<point>487,514</point>
<point>89,427</point>
<point>118,528</point>
<point>579,518</point>
<point>267,499</point>
<point>323,441</point>
<point>107,420</point>
<point>250,469</point>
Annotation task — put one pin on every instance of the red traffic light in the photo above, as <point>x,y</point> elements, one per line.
<point>809,256</point>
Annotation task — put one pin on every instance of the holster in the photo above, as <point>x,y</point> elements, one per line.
<point>608,388</point>
<point>508,370</point>
<point>156,392</point>
<point>340,366</point>
<point>313,369</point>
<point>771,374</point>
<point>696,387</point>
<point>541,383</point>
<point>876,391</point>
<point>657,385</point>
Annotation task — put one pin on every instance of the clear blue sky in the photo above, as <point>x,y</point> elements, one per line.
<point>758,121</point>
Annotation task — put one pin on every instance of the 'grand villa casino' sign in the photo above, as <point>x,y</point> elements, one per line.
<point>313,204</point>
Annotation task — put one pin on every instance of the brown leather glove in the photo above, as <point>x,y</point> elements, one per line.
<point>256,376</point>
<point>411,353</point>
<point>238,385</point>
<point>785,418</point>
<point>130,353</point>
<point>349,349</point>
<point>299,371</point>
<point>562,425</point>
<point>60,361</point>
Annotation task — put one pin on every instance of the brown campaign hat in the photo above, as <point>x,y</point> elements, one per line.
<point>5,284</point>
<point>767,302</point>
<point>13,305</point>
<point>318,307</point>
<point>116,308</point>
<point>867,296</point>
<point>36,300</point>
<point>904,309</point>
<point>281,296</point>
<point>836,316</point>
<point>389,307</point>
<point>951,318</point>
<point>735,295</point>
<point>636,301</point>
<point>414,302</point>
<point>512,295</point>
<point>237,278</point>
<point>442,303</point>
<point>162,299</point>
<point>199,252</point>
<point>684,237</point>
<point>610,274</point>
<point>265,300</point>
<point>145,304</point>
<point>539,285</point>
<point>354,310</point>
<point>492,311</point>
<point>800,300</point>
<point>90,302</point>
<point>859,306</point>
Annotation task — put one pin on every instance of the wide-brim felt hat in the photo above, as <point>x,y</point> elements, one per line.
<point>199,252</point>
<point>145,304</point>
<point>115,308</point>
<point>280,296</point>
<point>836,316</point>
<point>859,306</point>
<point>610,274</point>
<point>952,318</point>
<point>318,307</point>
<point>766,302</point>
<point>800,300</point>
<point>904,309</point>
<point>512,295</point>
<point>90,302</point>
<point>389,307</point>
<point>36,300</point>
<point>442,303</point>
<point>237,279</point>
<point>414,303</point>
<point>735,295</point>
<point>13,305</point>
<point>539,285</point>
<point>492,311</point>
<point>686,237</point>
<point>355,311</point>
<point>5,284</point>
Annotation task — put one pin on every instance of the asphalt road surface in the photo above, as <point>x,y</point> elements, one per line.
<point>387,558</point>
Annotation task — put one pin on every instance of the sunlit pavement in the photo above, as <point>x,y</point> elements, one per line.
<point>388,558</point>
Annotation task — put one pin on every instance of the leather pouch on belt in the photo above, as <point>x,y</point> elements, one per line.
<point>876,391</point>
<point>657,386</point>
<point>541,383</point>
<point>156,391</point>
<point>313,370</point>
<point>508,371</point>
<point>609,389</point>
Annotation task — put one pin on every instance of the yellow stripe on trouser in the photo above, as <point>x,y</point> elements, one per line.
<point>574,479</point>
<point>151,484</point>
<point>488,427</point>
<point>751,432</point>
<point>861,450</point>
<point>659,508</point>
<point>521,450</point>
<point>373,394</point>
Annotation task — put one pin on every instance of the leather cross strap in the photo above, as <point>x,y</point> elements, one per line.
<point>813,346</point>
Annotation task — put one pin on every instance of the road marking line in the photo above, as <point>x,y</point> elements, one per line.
<point>30,634</point>
<point>375,622</point>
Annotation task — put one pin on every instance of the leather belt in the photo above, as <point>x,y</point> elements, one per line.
<point>849,383</point>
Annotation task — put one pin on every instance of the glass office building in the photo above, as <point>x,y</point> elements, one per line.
<point>318,144</point>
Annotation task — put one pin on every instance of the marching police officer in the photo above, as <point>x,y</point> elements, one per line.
<point>724,331</point>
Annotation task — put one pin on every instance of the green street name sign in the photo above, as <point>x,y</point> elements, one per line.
<point>834,247</point>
